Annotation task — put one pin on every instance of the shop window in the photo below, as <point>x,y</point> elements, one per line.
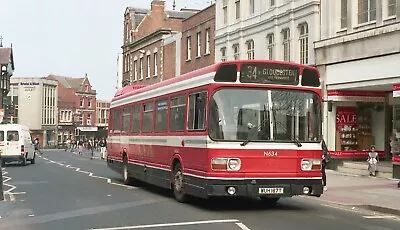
<point>161,116</point>
<point>358,127</point>
<point>177,114</point>
<point>147,122</point>
<point>197,111</point>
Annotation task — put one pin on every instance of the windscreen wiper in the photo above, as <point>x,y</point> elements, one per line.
<point>297,142</point>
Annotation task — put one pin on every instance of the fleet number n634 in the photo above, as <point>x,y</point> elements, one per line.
<point>270,154</point>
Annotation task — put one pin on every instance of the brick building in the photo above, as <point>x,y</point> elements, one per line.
<point>6,71</point>
<point>144,31</point>
<point>197,45</point>
<point>102,116</point>
<point>77,107</point>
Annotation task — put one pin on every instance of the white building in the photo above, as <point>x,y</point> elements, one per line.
<point>35,105</point>
<point>119,70</point>
<point>358,57</point>
<point>267,29</point>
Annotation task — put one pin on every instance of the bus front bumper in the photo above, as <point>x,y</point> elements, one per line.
<point>264,187</point>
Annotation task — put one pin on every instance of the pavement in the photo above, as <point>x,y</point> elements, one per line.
<point>68,191</point>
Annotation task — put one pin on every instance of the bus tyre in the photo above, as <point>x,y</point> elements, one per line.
<point>177,185</point>
<point>125,174</point>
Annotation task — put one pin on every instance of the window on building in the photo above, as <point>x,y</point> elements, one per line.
<point>89,119</point>
<point>147,122</point>
<point>270,46</point>
<point>286,45</point>
<point>135,70</point>
<point>304,43</point>
<point>189,48</point>
<point>223,54</point>
<point>141,69</point>
<point>272,2</point>
<point>237,9</point>
<point>198,44</point>
<point>117,120</point>
<point>136,119</point>
<point>366,11</point>
<point>251,7</point>
<point>155,64</point>
<point>148,66</point>
<point>81,102</point>
<point>392,7</point>
<point>177,114</point>
<point>343,14</point>
<point>90,103</point>
<point>236,52</point>
<point>161,116</point>
<point>197,111</point>
<point>126,119</point>
<point>225,11</point>
<point>208,38</point>
<point>250,49</point>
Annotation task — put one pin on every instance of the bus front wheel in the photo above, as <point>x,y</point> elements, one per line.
<point>178,187</point>
<point>125,174</point>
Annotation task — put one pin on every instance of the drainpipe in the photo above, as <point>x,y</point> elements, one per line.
<point>1,180</point>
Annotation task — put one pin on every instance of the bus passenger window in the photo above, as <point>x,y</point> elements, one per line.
<point>126,120</point>
<point>117,121</point>
<point>161,116</point>
<point>177,114</point>
<point>136,119</point>
<point>197,111</point>
<point>147,122</point>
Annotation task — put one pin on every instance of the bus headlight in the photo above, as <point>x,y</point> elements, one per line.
<point>310,164</point>
<point>225,164</point>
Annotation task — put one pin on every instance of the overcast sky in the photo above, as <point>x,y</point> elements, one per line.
<point>70,37</point>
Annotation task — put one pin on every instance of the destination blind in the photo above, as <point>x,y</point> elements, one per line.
<point>269,74</point>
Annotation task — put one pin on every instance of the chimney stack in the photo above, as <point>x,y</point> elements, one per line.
<point>157,5</point>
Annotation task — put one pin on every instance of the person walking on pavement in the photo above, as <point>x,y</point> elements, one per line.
<point>103,147</point>
<point>325,160</point>
<point>372,160</point>
<point>80,146</point>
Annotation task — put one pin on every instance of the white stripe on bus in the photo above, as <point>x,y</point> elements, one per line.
<point>167,89</point>
<point>195,142</point>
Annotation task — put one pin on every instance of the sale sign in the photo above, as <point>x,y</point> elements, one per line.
<point>346,117</point>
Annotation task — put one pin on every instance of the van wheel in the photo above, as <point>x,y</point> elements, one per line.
<point>178,184</point>
<point>33,159</point>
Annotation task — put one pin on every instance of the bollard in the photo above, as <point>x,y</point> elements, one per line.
<point>1,180</point>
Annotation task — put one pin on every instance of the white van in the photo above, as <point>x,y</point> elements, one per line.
<point>16,144</point>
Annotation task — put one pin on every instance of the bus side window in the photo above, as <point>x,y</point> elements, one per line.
<point>197,111</point>
<point>177,114</point>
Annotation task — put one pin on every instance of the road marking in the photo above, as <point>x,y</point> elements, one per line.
<point>31,215</point>
<point>17,193</point>
<point>242,226</point>
<point>170,224</point>
<point>380,217</point>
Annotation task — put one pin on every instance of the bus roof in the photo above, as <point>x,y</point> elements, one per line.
<point>137,89</point>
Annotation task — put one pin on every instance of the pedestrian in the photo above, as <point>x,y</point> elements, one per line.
<point>103,147</point>
<point>372,160</point>
<point>80,146</point>
<point>325,160</point>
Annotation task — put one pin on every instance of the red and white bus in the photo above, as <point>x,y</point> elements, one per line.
<point>248,128</point>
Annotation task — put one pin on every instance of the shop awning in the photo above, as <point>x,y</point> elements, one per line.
<point>357,96</point>
<point>88,129</point>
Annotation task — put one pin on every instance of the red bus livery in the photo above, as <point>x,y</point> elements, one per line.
<point>248,128</point>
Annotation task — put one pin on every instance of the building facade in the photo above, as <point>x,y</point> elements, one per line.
<point>358,61</point>
<point>197,40</point>
<point>144,32</point>
<point>34,104</point>
<point>102,116</point>
<point>120,65</point>
<point>6,71</point>
<point>78,107</point>
<point>259,29</point>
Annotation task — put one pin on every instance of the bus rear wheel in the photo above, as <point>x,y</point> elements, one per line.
<point>178,183</point>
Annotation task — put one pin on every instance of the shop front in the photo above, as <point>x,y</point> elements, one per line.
<point>395,145</point>
<point>356,121</point>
